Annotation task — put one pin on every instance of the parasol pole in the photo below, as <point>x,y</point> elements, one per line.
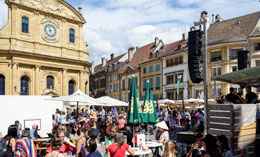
<point>77,110</point>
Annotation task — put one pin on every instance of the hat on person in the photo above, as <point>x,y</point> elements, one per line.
<point>26,132</point>
<point>93,133</point>
<point>162,125</point>
<point>209,139</point>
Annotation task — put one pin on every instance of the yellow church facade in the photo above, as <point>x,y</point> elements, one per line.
<point>42,50</point>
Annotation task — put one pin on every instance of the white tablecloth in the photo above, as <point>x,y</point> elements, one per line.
<point>139,152</point>
<point>152,144</point>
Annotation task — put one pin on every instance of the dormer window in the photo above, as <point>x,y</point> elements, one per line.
<point>72,35</point>
<point>25,25</point>
<point>151,55</point>
<point>157,53</point>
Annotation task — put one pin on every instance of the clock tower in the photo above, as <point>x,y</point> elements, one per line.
<point>42,49</point>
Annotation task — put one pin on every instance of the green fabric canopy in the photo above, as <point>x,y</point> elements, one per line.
<point>135,110</point>
<point>149,111</point>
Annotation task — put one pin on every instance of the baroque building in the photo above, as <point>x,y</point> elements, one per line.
<point>42,50</point>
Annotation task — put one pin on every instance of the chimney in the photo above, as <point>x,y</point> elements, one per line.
<point>130,53</point>
<point>156,41</point>
<point>184,36</point>
<point>218,18</point>
<point>104,61</point>
<point>80,9</point>
<point>92,67</point>
<point>112,56</point>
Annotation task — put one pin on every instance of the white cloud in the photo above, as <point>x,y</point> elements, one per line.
<point>3,13</point>
<point>115,25</point>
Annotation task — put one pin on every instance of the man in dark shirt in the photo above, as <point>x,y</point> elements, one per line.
<point>251,97</point>
<point>231,97</point>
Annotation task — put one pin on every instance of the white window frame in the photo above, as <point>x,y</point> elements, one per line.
<point>216,67</point>
<point>217,89</point>
<point>200,91</point>
<point>236,48</point>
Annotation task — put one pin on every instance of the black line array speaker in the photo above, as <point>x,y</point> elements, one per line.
<point>242,60</point>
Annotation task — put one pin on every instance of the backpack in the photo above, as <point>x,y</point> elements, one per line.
<point>3,147</point>
<point>4,151</point>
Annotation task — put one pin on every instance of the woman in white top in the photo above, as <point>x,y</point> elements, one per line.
<point>164,137</point>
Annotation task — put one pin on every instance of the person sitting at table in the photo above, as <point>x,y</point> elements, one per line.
<point>33,132</point>
<point>67,146</point>
<point>25,147</point>
<point>251,97</point>
<point>164,137</point>
<point>119,147</point>
<point>232,96</point>
<point>170,149</point>
<point>56,145</point>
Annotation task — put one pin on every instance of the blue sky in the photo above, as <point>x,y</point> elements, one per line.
<point>115,25</point>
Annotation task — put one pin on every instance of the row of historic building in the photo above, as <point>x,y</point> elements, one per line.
<point>162,63</point>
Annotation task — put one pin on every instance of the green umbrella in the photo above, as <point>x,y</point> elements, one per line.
<point>135,110</point>
<point>149,112</point>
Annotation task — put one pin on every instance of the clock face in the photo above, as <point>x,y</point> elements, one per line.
<point>50,30</point>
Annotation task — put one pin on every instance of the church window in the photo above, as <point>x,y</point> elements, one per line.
<point>2,85</point>
<point>72,35</point>
<point>50,82</point>
<point>24,85</point>
<point>71,87</point>
<point>25,25</point>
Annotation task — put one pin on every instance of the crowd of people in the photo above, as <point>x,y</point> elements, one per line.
<point>105,133</point>
<point>237,98</point>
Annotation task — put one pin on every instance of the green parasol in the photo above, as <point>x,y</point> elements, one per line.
<point>149,112</point>
<point>135,110</point>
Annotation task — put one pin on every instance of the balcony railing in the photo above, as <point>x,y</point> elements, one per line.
<point>214,59</point>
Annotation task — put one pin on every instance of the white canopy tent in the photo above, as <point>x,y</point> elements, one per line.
<point>192,100</point>
<point>166,101</point>
<point>111,102</point>
<point>79,98</point>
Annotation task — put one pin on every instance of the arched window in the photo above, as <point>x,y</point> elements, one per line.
<point>50,82</point>
<point>25,25</point>
<point>72,35</point>
<point>71,87</point>
<point>2,85</point>
<point>24,85</point>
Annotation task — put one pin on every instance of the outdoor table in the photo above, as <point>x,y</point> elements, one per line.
<point>154,146</point>
<point>139,152</point>
<point>38,143</point>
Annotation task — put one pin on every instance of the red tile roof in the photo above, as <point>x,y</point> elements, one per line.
<point>99,67</point>
<point>236,29</point>
<point>168,49</point>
